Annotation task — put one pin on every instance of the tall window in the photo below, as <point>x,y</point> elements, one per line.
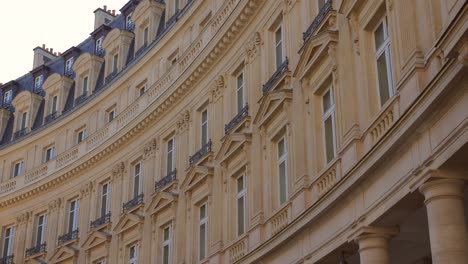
<point>283,170</point>
<point>279,56</point>
<point>240,93</point>
<point>384,62</point>
<point>170,156</point>
<point>241,192</point>
<point>41,223</point>
<point>204,127</point>
<point>81,135</point>
<point>99,44</point>
<point>53,106</point>
<point>328,119</point>
<point>133,254</point>
<point>7,97</point>
<point>145,36</point>
<point>203,232</point>
<point>166,245</point>
<point>137,179</point>
<point>68,64</point>
<point>73,209</point>
<point>8,239</point>
<point>24,120</point>
<point>18,168</point>
<point>105,199</point>
<point>115,62</point>
<point>84,89</point>
<point>49,153</point>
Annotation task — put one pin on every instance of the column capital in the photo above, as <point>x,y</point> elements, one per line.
<point>373,231</point>
<point>442,188</point>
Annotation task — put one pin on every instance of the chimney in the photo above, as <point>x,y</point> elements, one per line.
<point>42,55</point>
<point>102,16</point>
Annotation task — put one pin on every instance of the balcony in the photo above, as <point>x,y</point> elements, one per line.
<point>7,260</point>
<point>166,180</point>
<point>69,73</point>
<point>51,117</point>
<point>327,7</point>
<point>100,52</point>
<point>105,219</point>
<point>80,99</point>
<point>283,68</point>
<point>68,237</point>
<point>237,119</point>
<point>133,203</point>
<point>20,133</point>
<point>141,50</point>
<point>205,149</point>
<point>111,76</point>
<point>36,250</point>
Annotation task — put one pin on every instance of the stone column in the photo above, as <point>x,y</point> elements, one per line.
<point>374,244</point>
<point>446,219</point>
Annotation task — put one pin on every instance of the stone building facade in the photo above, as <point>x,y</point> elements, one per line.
<point>243,131</point>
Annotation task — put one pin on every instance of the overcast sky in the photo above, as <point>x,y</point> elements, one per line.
<point>26,24</point>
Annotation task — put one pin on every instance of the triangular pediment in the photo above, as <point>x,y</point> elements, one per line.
<point>160,201</point>
<point>231,144</point>
<point>95,238</point>
<point>128,221</point>
<point>270,104</point>
<point>195,176</point>
<point>64,253</point>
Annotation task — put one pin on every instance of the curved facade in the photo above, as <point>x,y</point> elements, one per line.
<point>243,131</point>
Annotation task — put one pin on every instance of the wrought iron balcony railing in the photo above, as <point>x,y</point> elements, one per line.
<point>327,7</point>
<point>69,73</point>
<point>205,149</point>
<point>21,132</point>
<point>276,76</point>
<point>141,50</point>
<point>80,99</point>
<point>41,248</point>
<point>166,180</point>
<point>101,220</point>
<point>51,117</point>
<point>68,237</point>
<point>133,203</point>
<point>111,76</point>
<point>237,119</point>
<point>100,52</point>
<point>7,259</point>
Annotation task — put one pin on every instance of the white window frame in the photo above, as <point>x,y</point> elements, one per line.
<point>7,96</point>
<point>24,120</point>
<point>81,138</point>
<point>111,113</point>
<point>241,194</point>
<point>384,50</point>
<point>69,64</point>
<point>277,43</point>
<point>137,175</point>
<point>84,88</point>
<point>49,153</point>
<point>142,90</point>
<point>54,104</point>
<point>105,196</point>
<point>204,127</point>
<point>115,62</point>
<point>73,215</point>
<point>171,152</point>
<point>38,81</point>
<point>329,113</point>
<point>203,221</point>
<point>99,43</point>
<point>133,260</point>
<point>167,243</point>
<point>40,236</point>
<point>283,159</point>
<point>240,88</point>
<point>18,168</point>
<point>8,241</point>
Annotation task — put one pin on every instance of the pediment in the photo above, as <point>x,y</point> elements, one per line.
<point>313,50</point>
<point>160,201</point>
<point>231,144</point>
<point>127,222</point>
<point>64,253</point>
<point>142,7</point>
<point>270,104</point>
<point>95,238</point>
<point>22,97</point>
<point>195,176</point>
<point>111,37</point>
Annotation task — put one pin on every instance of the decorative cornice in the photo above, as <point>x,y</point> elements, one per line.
<point>150,148</point>
<point>118,170</point>
<point>55,204</point>
<point>23,218</point>
<point>86,189</point>
<point>183,122</point>
<point>252,47</point>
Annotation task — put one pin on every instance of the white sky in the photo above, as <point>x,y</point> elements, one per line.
<point>26,24</point>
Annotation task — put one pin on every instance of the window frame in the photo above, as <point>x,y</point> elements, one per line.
<point>329,113</point>
<point>105,196</point>
<point>38,81</point>
<point>383,50</point>
<point>242,89</point>
<point>203,222</point>
<point>7,97</point>
<point>133,260</point>
<point>172,154</point>
<point>204,127</point>
<point>7,248</point>
<point>81,132</point>
<point>167,243</point>
<point>69,64</point>
<point>276,43</point>
<point>73,222</point>
<point>24,120</point>
<point>241,194</point>
<point>115,63</point>
<point>111,113</point>
<point>283,158</point>
<point>137,175</point>
<point>85,86</point>
<point>49,153</point>
<point>18,168</point>
<point>39,237</point>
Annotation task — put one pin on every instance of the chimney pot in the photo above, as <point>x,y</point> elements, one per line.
<point>51,50</point>
<point>43,46</point>
<point>113,12</point>
<point>105,8</point>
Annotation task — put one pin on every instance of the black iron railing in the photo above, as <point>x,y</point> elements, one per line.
<point>111,76</point>
<point>205,149</point>
<point>237,119</point>
<point>100,52</point>
<point>166,180</point>
<point>51,117</point>
<point>327,7</point>
<point>276,76</point>
<point>133,203</point>
<point>41,248</point>
<point>141,50</point>
<point>7,259</point>
<point>68,237</point>
<point>101,220</point>
<point>21,132</point>
<point>81,99</point>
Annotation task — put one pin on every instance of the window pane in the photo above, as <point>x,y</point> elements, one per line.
<point>278,47</point>
<point>85,85</point>
<point>240,216</point>
<point>384,89</point>
<point>379,36</point>
<point>240,184</point>
<point>202,241</point>
<point>282,182</point>
<point>166,234</point>
<point>202,212</point>
<point>329,144</point>
<point>281,148</point>
<point>327,101</point>
<point>136,186</point>
<point>166,255</point>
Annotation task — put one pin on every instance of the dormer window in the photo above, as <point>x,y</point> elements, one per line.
<point>68,66</point>
<point>24,120</point>
<point>7,96</point>
<point>129,25</point>
<point>38,83</point>
<point>53,106</point>
<point>115,63</point>
<point>84,89</point>
<point>99,44</point>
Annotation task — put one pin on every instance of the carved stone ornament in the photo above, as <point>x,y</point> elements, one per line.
<point>217,88</point>
<point>252,47</point>
<point>183,122</point>
<point>118,170</point>
<point>86,189</point>
<point>353,21</point>
<point>150,148</point>
<point>23,218</point>
<point>55,204</point>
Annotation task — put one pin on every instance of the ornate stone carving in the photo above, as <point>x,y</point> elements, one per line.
<point>353,21</point>
<point>252,47</point>
<point>150,148</point>
<point>86,189</point>
<point>183,122</point>
<point>55,204</point>
<point>217,88</point>
<point>118,170</point>
<point>23,218</point>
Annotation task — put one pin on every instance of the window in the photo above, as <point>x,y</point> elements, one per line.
<point>18,168</point>
<point>8,239</point>
<point>105,199</point>
<point>84,89</point>
<point>7,97</point>
<point>204,127</point>
<point>41,222</point>
<point>24,120</point>
<point>166,245</point>
<point>49,153</point>
<point>53,106</point>
<point>170,157</point>
<point>328,120</point>
<point>68,65</point>
<point>279,56</point>
<point>142,90</point>
<point>38,82</point>
<point>384,63</point>
<point>73,209</point>
<point>240,92</point>
<point>176,6</point>
<point>203,232</point>
<point>99,44</point>
<point>137,179</point>
<point>81,135</point>
<point>241,192</point>
<point>133,254</point>
<point>283,170</point>
<point>115,62</point>
<point>145,36</point>
<point>110,114</point>
<point>129,23</point>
